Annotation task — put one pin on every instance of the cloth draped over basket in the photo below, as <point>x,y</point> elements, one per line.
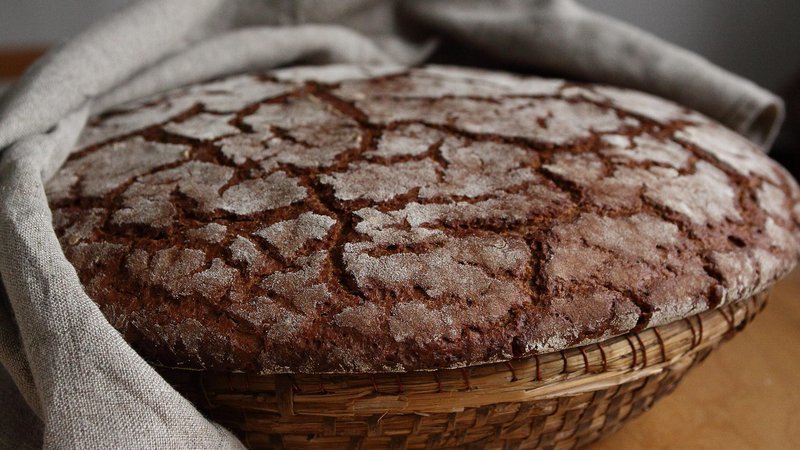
<point>70,380</point>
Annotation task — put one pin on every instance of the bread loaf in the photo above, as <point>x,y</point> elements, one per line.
<point>348,219</point>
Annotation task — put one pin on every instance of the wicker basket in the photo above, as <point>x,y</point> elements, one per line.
<point>558,400</point>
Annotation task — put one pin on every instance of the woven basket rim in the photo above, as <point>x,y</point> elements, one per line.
<point>570,372</point>
<point>556,401</point>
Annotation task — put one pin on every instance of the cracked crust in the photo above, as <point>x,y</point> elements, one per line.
<point>389,220</point>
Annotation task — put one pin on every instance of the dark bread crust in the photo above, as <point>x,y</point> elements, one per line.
<point>417,220</point>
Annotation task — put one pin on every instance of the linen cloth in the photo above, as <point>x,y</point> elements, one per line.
<point>70,381</point>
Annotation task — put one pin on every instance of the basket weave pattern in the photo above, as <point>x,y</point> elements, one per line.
<point>558,400</point>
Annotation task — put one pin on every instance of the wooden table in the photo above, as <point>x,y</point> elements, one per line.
<point>746,395</point>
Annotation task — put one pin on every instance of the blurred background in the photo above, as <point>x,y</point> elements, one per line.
<point>758,40</point>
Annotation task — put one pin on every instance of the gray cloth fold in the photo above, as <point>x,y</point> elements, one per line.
<point>573,41</point>
<point>70,381</point>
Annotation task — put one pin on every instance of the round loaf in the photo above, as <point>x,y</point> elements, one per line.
<point>352,219</point>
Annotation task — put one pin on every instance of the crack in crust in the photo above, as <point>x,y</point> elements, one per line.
<point>430,218</point>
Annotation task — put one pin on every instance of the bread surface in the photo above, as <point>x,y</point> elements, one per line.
<point>349,219</point>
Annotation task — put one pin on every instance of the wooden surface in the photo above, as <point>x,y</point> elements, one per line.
<point>13,61</point>
<point>746,395</point>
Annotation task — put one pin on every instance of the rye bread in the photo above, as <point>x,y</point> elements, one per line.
<point>350,219</point>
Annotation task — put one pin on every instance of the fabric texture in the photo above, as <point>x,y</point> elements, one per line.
<point>70,381</point>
